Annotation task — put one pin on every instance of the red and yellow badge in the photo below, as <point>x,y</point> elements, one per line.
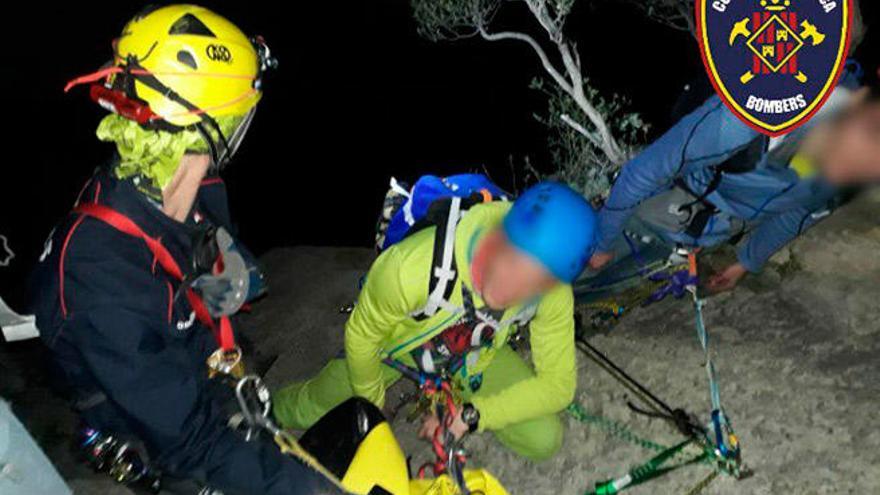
<point>774,62</point>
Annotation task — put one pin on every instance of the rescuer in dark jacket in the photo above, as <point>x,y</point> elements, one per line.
<point>135,286</point>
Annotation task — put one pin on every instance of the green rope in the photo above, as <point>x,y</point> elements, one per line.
<point>650,470</point>
<point>617,305</point>
<point>654,468</point>
<point>612,428</point>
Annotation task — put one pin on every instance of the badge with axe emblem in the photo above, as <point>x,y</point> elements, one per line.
<point>774,62</point>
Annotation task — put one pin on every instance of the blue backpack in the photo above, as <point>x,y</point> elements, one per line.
<point>434,202</point>
<point>406,210</point>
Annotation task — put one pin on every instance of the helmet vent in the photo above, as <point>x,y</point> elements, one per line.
<point>187,59</point>
<point>190,24</point>
<point>149,9</point>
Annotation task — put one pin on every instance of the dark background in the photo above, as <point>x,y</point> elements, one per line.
<point>358,97</point>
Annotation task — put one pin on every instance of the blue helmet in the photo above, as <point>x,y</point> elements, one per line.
<point>556,226</point>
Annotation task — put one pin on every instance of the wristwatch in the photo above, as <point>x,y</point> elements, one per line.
<point>471,417</point>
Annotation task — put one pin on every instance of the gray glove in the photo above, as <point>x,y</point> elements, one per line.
<point>224,293</point>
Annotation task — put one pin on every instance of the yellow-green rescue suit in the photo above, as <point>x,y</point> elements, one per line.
<point>517,401</point>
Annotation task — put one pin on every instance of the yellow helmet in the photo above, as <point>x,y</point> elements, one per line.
<point>182,67</point>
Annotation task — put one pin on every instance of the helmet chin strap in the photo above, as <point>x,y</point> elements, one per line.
<point>223,149</point>
<point>218,149</point>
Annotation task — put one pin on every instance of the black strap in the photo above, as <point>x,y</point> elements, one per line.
<point>700,209</point>
<point>152,82</point>
<point>741,162</point>
<point>438,216</point>
<point>699,221</point>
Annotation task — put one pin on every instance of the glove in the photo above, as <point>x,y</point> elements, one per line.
<point>226,291</point>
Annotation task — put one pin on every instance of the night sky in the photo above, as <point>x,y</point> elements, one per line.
<point>358,97</point>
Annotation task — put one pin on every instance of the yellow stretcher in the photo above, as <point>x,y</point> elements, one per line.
<point>354,447</point>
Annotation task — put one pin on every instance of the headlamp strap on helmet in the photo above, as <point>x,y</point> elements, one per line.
<point>218,153</point>
<point>147,78</point>
<point>121,98</point>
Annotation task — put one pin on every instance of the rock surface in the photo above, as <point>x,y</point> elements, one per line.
<point>796,351</point>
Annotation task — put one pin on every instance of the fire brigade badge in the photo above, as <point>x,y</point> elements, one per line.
<point>774,62</point>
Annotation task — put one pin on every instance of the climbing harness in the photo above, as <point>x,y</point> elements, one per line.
<point>227,359</point>
<point>715,442</point>
<point>438,397</point>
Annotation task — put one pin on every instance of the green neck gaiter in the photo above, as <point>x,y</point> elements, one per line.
<point>153,156</point>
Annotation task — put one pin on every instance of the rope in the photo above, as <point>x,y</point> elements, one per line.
<point>653,468</point>
<point>612,428</point>
<point>655,403</point>
<point>625,281</point>
<point>725,440</point>
<point>653,283</point>
<point>720,447</point>
<point>702,485</point>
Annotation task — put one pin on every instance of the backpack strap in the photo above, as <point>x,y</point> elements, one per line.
<point>443,267</point>
<point>445,215</point>
<point>407,206</point>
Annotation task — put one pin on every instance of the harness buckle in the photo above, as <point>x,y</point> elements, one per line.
<point>226,362</point>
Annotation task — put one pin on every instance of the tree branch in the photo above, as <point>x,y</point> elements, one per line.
<point>608,143</point>
<point>542,14</point>
<point>545,60</point>
<point>580,129</point>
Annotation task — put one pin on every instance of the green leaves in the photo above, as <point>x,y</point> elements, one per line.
<point>452,19</point>
<point>576,159</point>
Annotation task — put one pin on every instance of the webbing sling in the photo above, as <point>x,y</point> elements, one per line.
<point>724,438</point>
<point>223,332</point>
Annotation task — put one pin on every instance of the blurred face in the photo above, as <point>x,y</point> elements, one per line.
<point>510,277</point>
<point>851,153</point>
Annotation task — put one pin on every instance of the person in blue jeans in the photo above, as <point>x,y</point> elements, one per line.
<point>712,179</point>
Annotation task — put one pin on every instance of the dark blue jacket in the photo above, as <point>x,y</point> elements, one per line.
<point>772,199</point>
<point>135,356</point>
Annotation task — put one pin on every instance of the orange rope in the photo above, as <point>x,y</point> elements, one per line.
<point>104,73</point>
<point>92,77</point>
<point>247,94</point>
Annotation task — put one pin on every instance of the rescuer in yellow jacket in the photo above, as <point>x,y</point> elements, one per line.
<point>511,266</point>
